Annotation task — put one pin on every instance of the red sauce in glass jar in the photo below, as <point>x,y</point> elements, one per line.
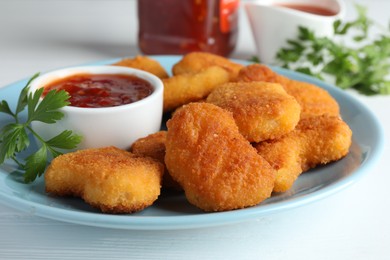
<point>183,26</point>
<point>102,90</point>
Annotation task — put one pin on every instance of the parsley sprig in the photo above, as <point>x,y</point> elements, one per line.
<point>364,66</point>
<point>14,136</point>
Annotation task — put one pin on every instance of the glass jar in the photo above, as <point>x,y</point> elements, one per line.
<point>182,26</point>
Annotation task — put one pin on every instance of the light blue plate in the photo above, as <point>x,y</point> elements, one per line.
<point>172,211</point>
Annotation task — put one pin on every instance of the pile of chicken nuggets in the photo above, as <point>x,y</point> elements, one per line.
<point>236,135</point>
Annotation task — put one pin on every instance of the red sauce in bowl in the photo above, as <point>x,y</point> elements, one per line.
<point>102,90</point>
<point>310,9</point>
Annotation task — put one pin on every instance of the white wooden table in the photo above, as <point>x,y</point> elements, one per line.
<point>41,35</point>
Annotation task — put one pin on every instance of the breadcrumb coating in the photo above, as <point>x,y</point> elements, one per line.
<point>216,166</point>
<point>110,179</point>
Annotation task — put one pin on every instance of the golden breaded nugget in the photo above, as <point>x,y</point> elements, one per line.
<point>261,110</point>
<point>144,63</point>
<point>111,179</point>
<point>314,101</point>
<point>197,61</point>
<point>324,139</point>
<point>285,156</point>
<point>316,140</point>
<point>186,88</point>
<point>153,146</point>
<point>216,166</point>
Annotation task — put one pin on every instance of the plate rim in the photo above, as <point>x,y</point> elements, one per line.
<point>142,222</point>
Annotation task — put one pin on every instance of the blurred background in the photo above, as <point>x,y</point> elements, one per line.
<point>34,32</point>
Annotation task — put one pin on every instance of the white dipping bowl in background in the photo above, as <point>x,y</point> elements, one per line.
<point>273,24</point>
<point>118,126</point>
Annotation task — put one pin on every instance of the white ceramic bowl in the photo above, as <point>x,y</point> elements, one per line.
<point>119,126</point>
<point>272,25</point>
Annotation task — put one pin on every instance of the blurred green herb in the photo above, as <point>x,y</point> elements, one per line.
<point>363,67</point>
<point>14,136</point>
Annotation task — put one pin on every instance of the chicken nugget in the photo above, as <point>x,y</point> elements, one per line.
<point>285,156</point>
<point>261,110</point>
<point>186,88</point>
<point>314,101</point>
<point>144,63</point>
<point>315,141</point>
<point>216,166</point>
<point>153,146</point>
<point>197,61</point>
<point>110,179</point>
<point>323,139</point>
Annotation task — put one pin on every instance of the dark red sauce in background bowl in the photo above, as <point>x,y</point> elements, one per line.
<point>102,90</point>
<point>307,8</point>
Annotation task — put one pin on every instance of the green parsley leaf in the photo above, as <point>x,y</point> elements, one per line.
<point>4,107</point>
<point>254,59</point>
<point>22,101</point>
<point>364,68</point>
<point>14,136</point>
<point>46,110</point>
<point>65,140</point>
<point>35,164</point>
